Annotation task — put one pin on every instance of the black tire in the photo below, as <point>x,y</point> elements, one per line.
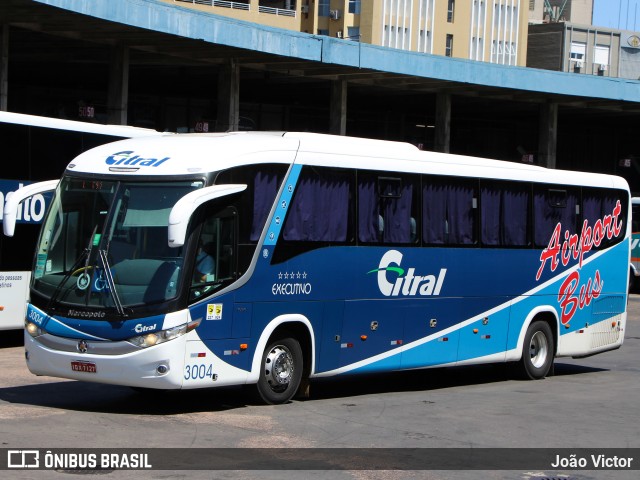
<point>281,371</point>
<point>538,351</point>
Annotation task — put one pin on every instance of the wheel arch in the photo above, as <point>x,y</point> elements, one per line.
<point>544,313</point>
<point>293,325</point>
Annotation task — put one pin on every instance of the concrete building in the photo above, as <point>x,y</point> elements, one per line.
<point>585,49</point>
<point>569,47</point>
<point>555,11</point>
<point>562,38</point>
<point>490,31</point>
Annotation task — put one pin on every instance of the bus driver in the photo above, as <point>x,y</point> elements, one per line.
<point>205,264</point>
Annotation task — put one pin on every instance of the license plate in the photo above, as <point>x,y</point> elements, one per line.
<point>83,367</point>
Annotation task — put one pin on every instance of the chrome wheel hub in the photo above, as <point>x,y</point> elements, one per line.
<point>538,349</point>
<point>278,367</point>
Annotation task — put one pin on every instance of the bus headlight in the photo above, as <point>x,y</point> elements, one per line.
<point>156,338</point>
<point>33,329</point>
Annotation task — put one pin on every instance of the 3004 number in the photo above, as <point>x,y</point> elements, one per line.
<point>196,372</point>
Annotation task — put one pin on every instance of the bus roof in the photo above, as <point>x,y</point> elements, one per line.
<point>183,154</point>
<point>124,131</point>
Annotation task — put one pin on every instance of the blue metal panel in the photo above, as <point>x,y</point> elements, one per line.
<point>174,20</point>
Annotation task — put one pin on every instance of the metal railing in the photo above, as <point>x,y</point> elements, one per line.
<point>285,12</point>
<point>218,3</point>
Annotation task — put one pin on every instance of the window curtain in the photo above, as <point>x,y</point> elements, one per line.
<point>448,213</point>
<point>319,211</point>
<point>504,214</point>
<point>265,188</point>
<point>397,216</point>
<point>547,216</point>
<point>368,215</point>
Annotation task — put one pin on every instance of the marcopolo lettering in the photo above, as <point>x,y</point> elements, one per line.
<point>129,158</point>
<point>406,283</point>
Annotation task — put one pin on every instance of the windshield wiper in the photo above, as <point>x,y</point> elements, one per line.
<point>110,283</point>
<point>85,253</point>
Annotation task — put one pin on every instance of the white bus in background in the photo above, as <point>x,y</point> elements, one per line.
<point>36,148</point>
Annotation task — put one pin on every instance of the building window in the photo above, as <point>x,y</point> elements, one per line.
<point>578,51</point>
<point>424,41</point>
<point>354,6</point>
<point>323,31</point>
<point>601,55</point>
<point>353,33</point>
<point>323,8</point>
<point>448,50</point>
<point>476,49</point>
<point>450,9</point>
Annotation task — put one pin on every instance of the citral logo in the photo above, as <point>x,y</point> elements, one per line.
<point>139,328</point>
<point>409,284</point>
<point>128,158</point>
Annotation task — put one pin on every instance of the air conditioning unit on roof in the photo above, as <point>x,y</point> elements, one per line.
<point>304,9</point>
<point>602,67</point>
<point>335,14</point>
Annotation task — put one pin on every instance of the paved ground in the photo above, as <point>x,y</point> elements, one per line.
<point>589,403</point>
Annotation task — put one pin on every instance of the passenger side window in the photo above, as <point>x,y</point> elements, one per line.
<point>504,214</point>
<point>553,205</point>
<point>449,210</point>
<point>215,262</point>
<point>253,205</point>
<point>598,209</point>
<point>387,208</point>
<point>320,208</point>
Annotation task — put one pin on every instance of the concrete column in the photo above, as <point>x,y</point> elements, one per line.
<point>4,66</point>
<point>338,108</point>
<point>228,97</point>
<point>118,95</point>
<point>547,134</point>
<point>442,141</point>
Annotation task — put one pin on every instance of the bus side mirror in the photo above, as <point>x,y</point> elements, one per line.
<point>184,208</point>
<point>12,203</point>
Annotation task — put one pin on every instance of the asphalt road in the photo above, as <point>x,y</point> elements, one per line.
<point>588,403</point>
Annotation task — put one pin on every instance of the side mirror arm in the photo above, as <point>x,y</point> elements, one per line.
<point>10,213</point>
<point>184,208</point>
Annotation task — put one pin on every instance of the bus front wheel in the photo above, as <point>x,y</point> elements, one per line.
<point>281,371</point>
<point>538,351</point>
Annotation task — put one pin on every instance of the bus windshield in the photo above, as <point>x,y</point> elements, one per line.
<point>104,244</point>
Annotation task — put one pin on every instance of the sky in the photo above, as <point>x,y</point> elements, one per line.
<point>622,14</point>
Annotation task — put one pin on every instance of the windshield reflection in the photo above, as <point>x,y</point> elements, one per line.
<point>104,244</point>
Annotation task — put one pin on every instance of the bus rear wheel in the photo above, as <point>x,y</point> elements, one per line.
<point>538,351</point>
<point>281,371</point>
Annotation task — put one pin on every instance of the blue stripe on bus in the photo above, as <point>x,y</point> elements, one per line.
<point>282,207</point>
<point>479,311</point>
<point>94,329</point>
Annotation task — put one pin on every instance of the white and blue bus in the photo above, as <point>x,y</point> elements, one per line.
<point>37,148</point>
<point>205,260</point>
